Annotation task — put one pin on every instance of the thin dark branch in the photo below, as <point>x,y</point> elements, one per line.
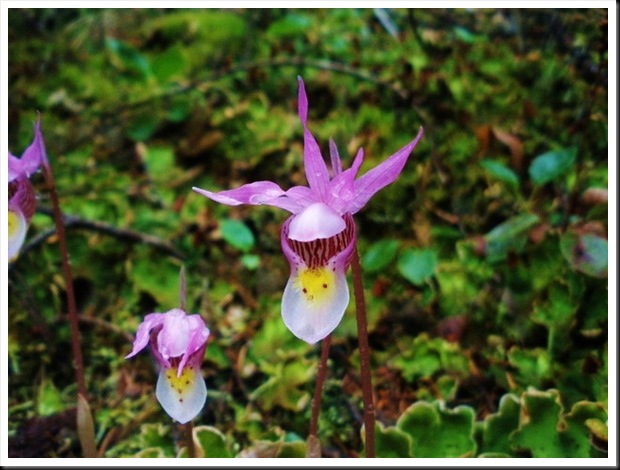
<point>75,222</point>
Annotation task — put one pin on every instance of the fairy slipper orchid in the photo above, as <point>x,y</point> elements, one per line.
<point>319,238</point>
<point>22,198</point>
<point>178,342</point>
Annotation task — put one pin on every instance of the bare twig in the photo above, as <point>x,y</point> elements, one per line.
<point>71,221</point>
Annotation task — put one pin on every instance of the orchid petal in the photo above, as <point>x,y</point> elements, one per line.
<point>151,321</point>
<point>342,187</point>
<point>173,339</point>
<point>335,158</point>
<point>197,342</point>
<point>380,176</point>
<point>18,226</point>
<point>314,222</point>
<point>314,165</point>
<point>32,158</point>
<point>181,396</point>
<point>314,301</point>
<point>257,193</point>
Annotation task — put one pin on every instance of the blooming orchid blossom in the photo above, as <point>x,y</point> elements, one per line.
<point>178,343</point>
<point>319,238</point>
<point>22,198</point>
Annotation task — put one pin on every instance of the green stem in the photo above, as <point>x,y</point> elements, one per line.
<point>362,334</point>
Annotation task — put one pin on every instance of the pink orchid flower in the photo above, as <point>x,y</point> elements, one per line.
<point>178,343</point>
<point>319,238</point>
<point>22,198</point>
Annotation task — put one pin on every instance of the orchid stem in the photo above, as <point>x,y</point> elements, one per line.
<point>182,294</point>
<point>189,438</point>
<point>362,334</point>
<point>66,267</point>
<point>318,389</point>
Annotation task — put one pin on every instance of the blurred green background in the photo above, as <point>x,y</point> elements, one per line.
<point>485,262</point>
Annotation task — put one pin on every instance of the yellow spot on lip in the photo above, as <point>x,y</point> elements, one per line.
<point>14,224</point>
<point>181,382</point>
<point>316,283</point>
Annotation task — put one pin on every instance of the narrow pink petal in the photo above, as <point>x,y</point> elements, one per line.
<point>342,188</point>
<point>32,158</point>
<point>314,302</point>
<point>257,193</point>
<point>151,321</point>
<point>380,176</point>
<point>314,165</point>
<point>335,157</point>
<point>314,222</point>
<point>181,396</point>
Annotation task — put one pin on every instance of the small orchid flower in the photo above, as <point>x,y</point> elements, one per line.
<point>178,343</point>
<point>319,238</point>
<point>22,198</point>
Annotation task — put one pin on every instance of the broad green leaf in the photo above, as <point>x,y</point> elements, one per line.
<point>545,431</point>
<point>390,442</point>
<point>498,427</point>
<point>168,64</point>
<point>439,432</point>
<point>237,234</point>
<point>587,253</point>
<point>500,171</point>
<point>549,166</point>
<point>532,366</point>
<point>128,57</point>
<point>510,235</point>
<point>160,161</point>
<point>142,126</point>
<point>380,255</point>
<point>417,265</point>
<point>49,399</point>
<point>209,442</point>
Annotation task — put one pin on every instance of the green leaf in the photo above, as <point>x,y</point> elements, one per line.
<point>128,57</point>
<point>168,64</point>
<point>390,442</point>
<point>498,427</point>
<point>533,366</point>
<point>509,236</point>
<point>143,126</point>
<point>587,253</point>
<point>545,432</point>
<point>549,166</point>
<point>250,261</point>
<point>160,161</point>
<point>237,234</point>
<point>417,265</point>
<point>380,255</point>
<point>439,432</point>
<point>500,171</point>
<point>49,400</point>
<point>210,443</point>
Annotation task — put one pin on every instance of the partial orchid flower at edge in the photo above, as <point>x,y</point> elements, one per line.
<point>22,198</point>
<point>319,238</point>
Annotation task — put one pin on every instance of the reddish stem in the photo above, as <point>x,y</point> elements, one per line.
<point>362,335</point>
<point>318,389</point>
<point>66,268</point>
